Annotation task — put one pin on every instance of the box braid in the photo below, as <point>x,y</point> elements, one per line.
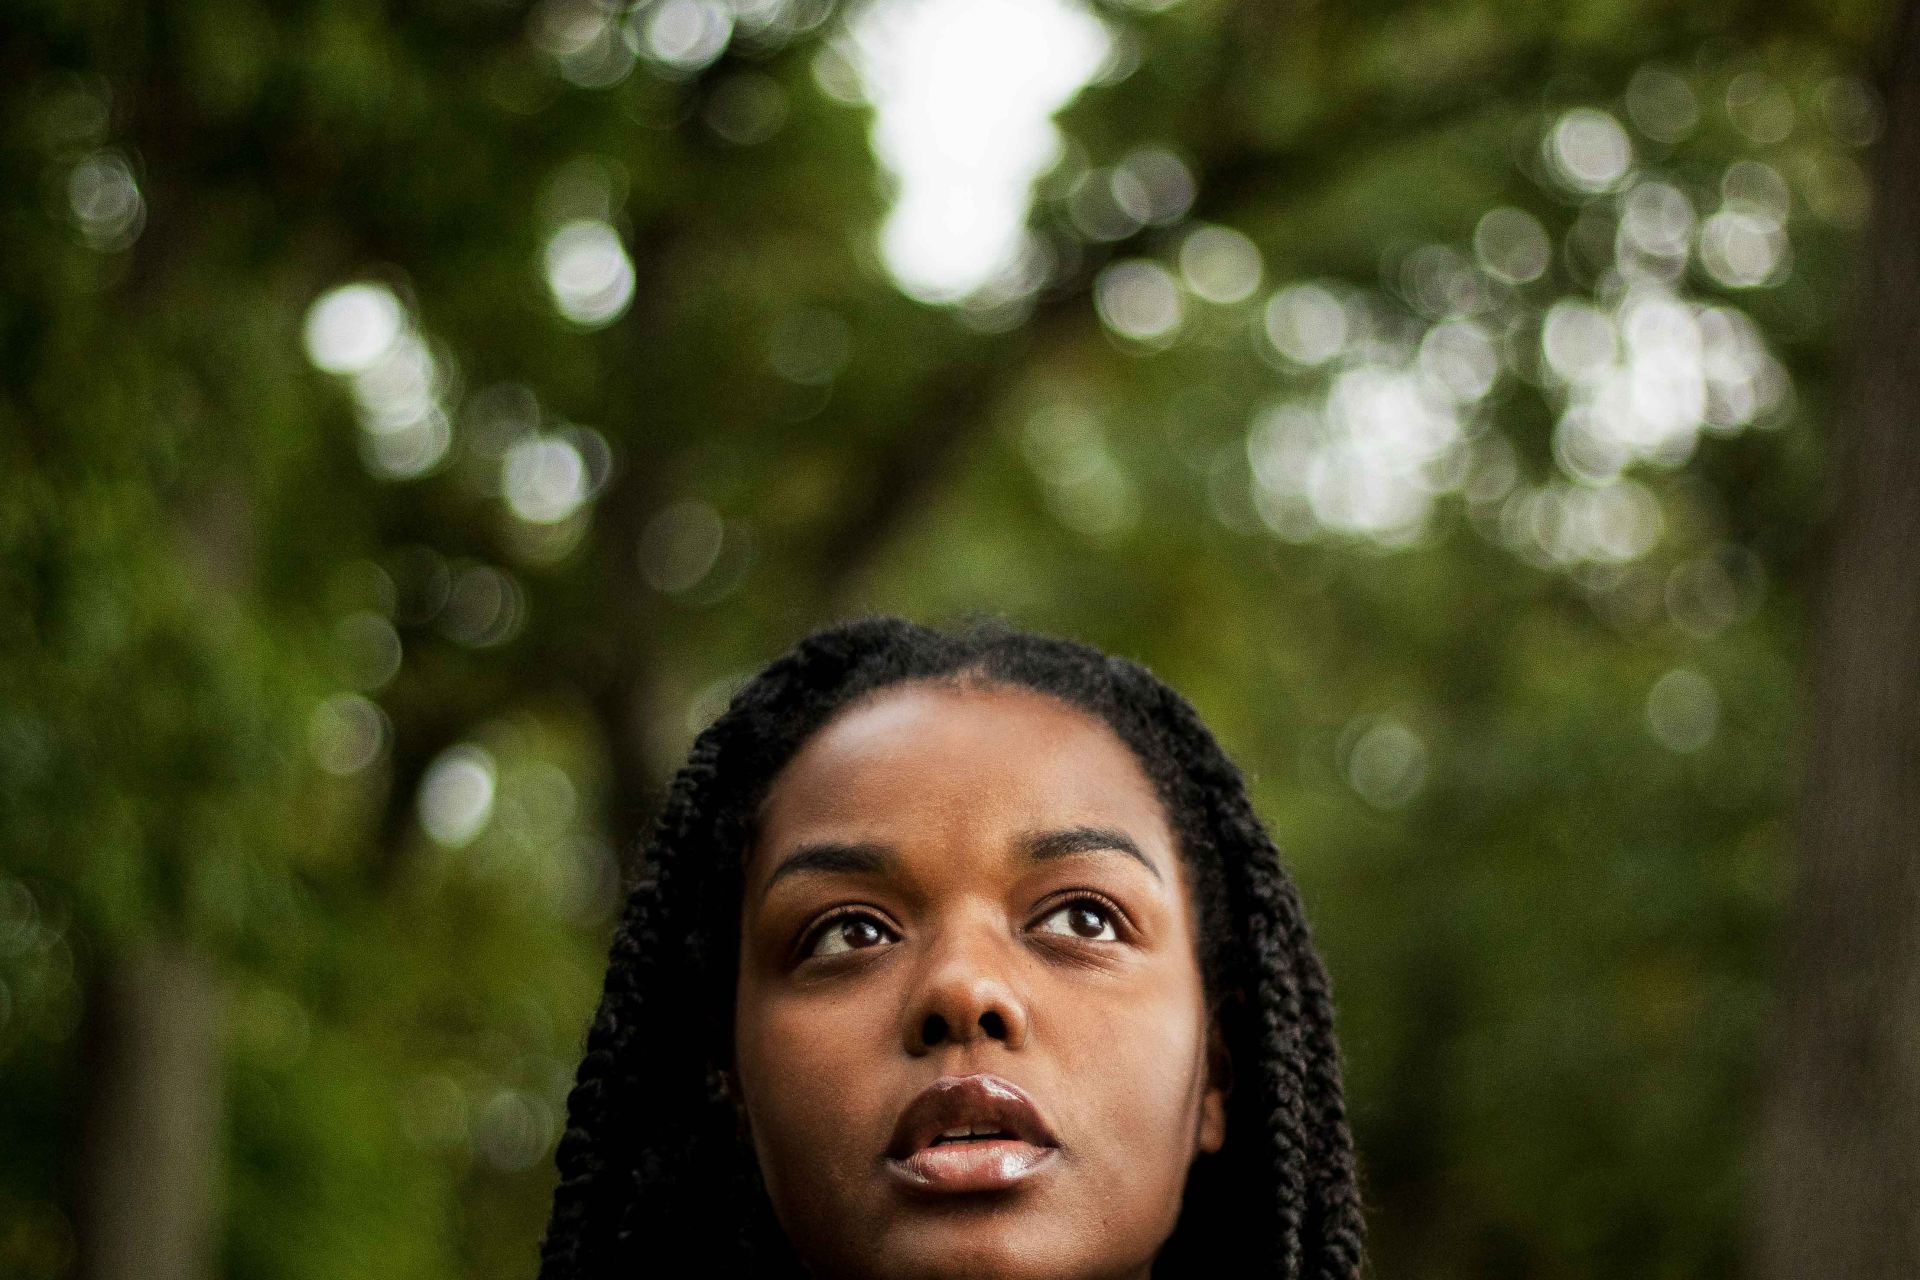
<point>655,1145</point>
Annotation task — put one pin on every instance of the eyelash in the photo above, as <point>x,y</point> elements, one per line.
<point>1108,908</point>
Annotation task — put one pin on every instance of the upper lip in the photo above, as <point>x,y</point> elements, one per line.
<point>952,1101</point>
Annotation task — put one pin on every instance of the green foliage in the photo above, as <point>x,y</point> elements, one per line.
<point>310,689</point>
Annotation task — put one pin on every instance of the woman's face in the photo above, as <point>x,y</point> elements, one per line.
<point>972,883</point>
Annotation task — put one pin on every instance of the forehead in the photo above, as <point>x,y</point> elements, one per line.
<point>941,762</point>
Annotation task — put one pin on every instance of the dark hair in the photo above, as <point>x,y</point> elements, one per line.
<point>653,1144</point>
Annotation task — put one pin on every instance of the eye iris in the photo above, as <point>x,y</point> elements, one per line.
<point>858,929</point>
<point>1087,921</point>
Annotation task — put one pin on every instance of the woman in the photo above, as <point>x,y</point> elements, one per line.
<point>958,955</point>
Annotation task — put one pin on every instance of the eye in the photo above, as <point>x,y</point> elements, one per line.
<point>1088,918</point>
<point>847,931</point>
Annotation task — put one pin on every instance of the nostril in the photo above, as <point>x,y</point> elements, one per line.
<point>994,1025</point>
<point>934,1030</point>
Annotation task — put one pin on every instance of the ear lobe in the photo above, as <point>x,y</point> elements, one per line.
<point>1213,1103</point>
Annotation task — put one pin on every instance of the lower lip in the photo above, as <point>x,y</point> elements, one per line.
<point>972,1166</point>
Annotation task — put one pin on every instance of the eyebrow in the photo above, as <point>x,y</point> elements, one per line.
<point>872,858</point>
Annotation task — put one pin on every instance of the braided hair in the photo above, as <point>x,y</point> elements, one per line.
<point>655,1145</point>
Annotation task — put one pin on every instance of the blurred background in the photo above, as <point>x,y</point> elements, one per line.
<point>417,420</point>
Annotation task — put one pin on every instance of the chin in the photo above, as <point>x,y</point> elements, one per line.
<point>972,1247</point>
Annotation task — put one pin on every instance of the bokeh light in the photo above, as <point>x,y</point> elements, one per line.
<point>1383,418</point>
<point>347,733</point>
<point>350,328</point>
<point>1139,299</point>
<point>1683,710</point>
<point>1511,245</point>
<point>680,545</point>
<point>1153,186</point>
<point>1306,323</point>
<point>1457,360</point>
<point>1662,104</point>
<point>1743,246</point>
<point>1386,762</point>
<point>1852,110</point>
<point>105,201</point>
<point>1588,150</point>
<point>584,39</point>
<point>1561,524</point>
<point>1760,107</point>
<point>964,93</point>
<point>363,333</point>
<point>1220,264</point>
<point>682,36</point>
<point>515,1129</point>
<point>544,479</point>
<point>456,795</point>
<point>1087,489</point>
<point>747,108</point>
<point>369,650</point>
<point>589,273</point>
<point>1656,229</point>
<point>485,606</point>
<point>1706,594</point>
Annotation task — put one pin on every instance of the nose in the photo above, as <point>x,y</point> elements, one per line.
<point>967,990</point>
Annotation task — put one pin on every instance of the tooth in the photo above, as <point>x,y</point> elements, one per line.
<point>962,1132</point>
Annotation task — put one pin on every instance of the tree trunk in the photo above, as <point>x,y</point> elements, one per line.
<point>150,1161</point>
<point>1839,1191</point>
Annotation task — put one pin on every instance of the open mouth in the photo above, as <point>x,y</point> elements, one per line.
<point>970,1133</point>
<point>971,1136</point>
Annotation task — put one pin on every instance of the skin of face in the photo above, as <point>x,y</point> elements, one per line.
<point>966,954</point>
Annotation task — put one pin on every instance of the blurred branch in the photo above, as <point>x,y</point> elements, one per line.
<point>1239,173</point>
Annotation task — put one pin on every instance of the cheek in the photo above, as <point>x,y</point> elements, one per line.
<point>807,1068</point>
<point>1135,1064</point>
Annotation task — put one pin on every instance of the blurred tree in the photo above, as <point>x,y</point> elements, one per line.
<point>418,419</point>
<point>1841,1194</point>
